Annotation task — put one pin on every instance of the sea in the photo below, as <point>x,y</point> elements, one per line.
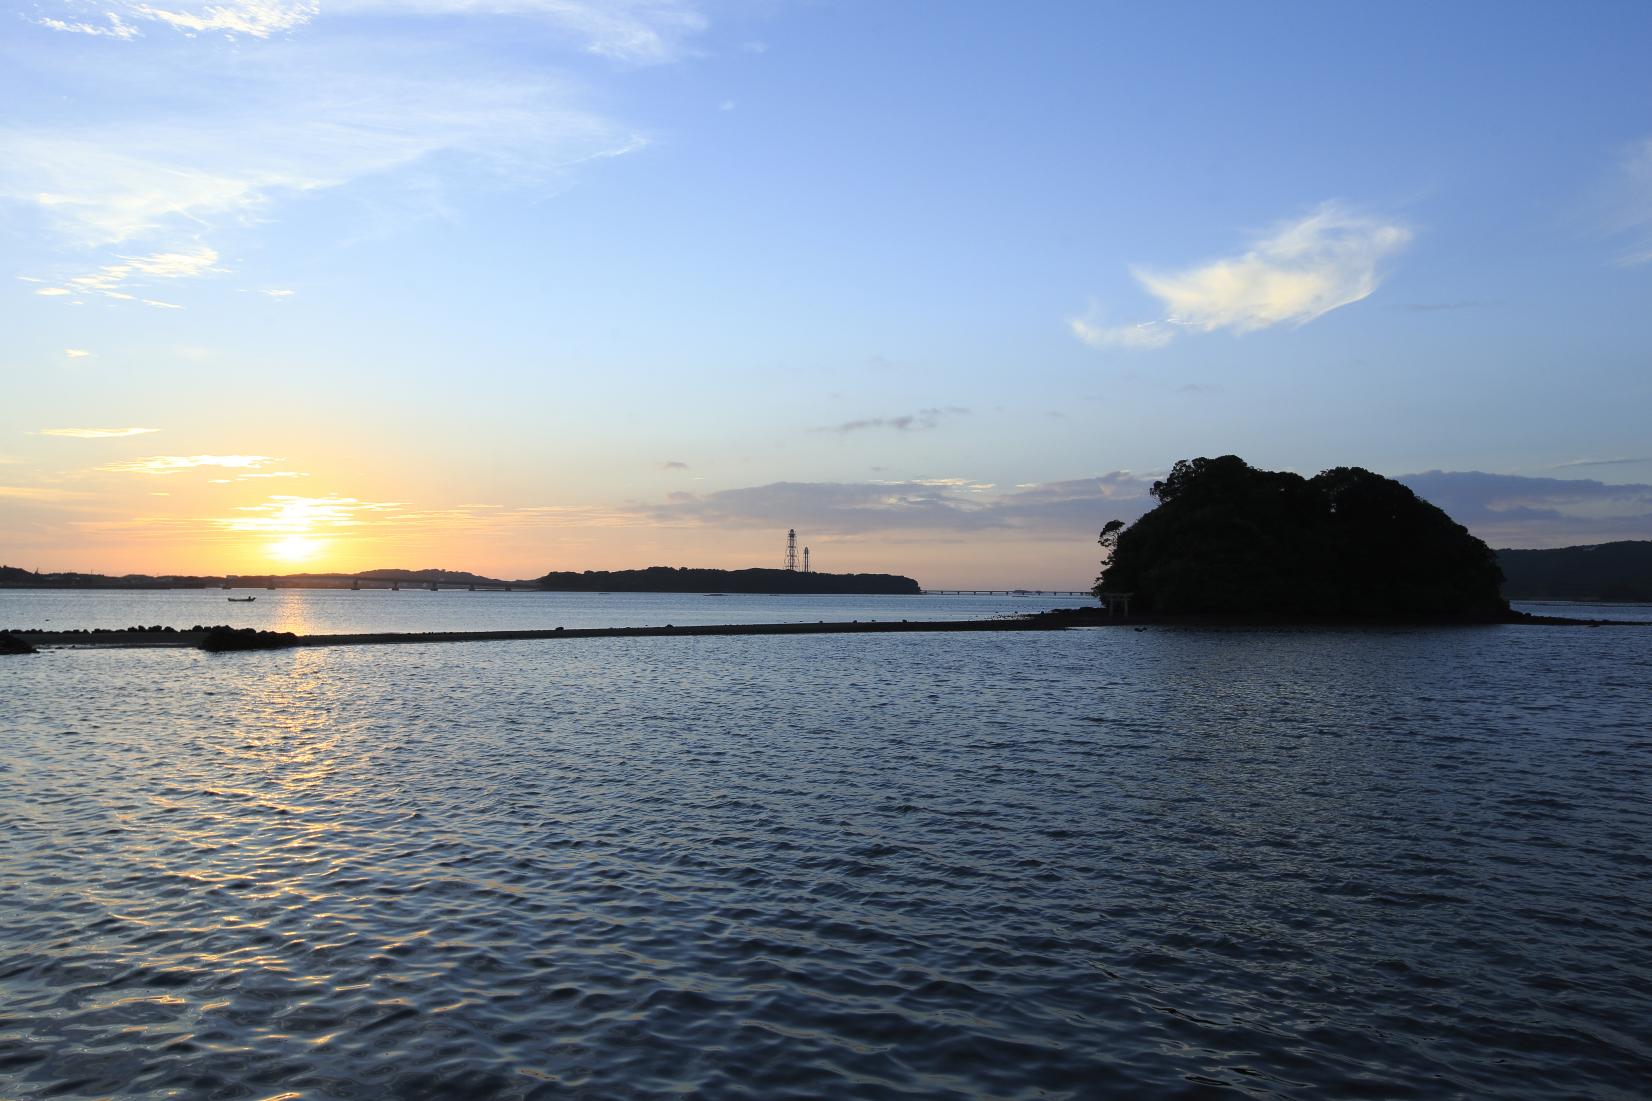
<point>1115,862</point>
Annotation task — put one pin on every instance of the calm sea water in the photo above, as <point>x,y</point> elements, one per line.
<point>1165,863</point>
<point>341,611</point>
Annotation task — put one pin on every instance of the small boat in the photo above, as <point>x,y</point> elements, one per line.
<point>240,599</point>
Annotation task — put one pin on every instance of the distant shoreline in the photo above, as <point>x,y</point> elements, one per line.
<point>653,579</point>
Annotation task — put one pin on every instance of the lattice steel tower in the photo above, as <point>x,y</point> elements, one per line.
<point>791,550</point>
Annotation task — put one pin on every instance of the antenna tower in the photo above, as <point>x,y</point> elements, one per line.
<point>791,550</point>
<point>805,559</point>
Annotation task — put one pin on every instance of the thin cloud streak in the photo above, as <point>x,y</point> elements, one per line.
<point>177,464</point>
<point>1624,461</point>
<point>252,126</point>
<point>258,18</point>
<point>96,433</point>
<point>922,419</point>
<point>111,279</point>
<point>104,186</point>
<point>1146,334</point>
<point>114,28</point>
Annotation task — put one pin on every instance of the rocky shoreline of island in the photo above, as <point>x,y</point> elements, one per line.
<point>1101,617</point>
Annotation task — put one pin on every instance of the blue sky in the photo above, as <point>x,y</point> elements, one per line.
<point>513,285</point>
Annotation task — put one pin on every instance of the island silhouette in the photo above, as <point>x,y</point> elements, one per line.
<point>1229,539</point>
<point>668,579</point>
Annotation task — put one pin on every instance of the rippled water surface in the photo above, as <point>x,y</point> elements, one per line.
<point>1097,863</point>
<point>341,611</point>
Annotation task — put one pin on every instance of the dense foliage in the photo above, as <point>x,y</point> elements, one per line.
<point>1227,538</point>
<point>668,579</point>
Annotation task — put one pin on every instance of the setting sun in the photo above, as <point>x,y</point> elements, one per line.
<point>295,548</point>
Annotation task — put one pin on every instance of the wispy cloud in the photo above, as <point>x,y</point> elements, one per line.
<point>1301,271</point>
<point>175,464</point>
<point>104,186</point>
<point>248,125</point>
<point>112,27</point>
<point>1628,203</point>
<point>258,18</point>
<point>76,353</point>
<point>1146,334</point>
<point>110,280</point>
<point>636,31</point>
<point>1293,274</point>
<point>1620,461</point>
<point>923,418</point>
<point>97,433</point>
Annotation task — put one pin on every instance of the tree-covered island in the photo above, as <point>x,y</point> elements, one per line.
<point>668,579</point>
<point>1227,539</point>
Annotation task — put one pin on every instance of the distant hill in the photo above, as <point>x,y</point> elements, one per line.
<point>1604,571</point>
<point>669,579</point>
<point>655,579</point>
<point>446,577</point>
<point>13,578</point>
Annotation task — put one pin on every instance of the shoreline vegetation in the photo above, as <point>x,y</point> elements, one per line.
<point>223,638</point>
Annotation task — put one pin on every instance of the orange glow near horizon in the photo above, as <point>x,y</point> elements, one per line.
<point>200,526</point>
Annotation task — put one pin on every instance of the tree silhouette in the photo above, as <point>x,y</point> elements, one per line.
<point>1226,537</point>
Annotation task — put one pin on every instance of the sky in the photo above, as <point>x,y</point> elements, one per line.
<point>511,286</point>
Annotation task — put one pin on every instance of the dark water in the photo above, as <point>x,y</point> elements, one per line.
<point>1168,863</point>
